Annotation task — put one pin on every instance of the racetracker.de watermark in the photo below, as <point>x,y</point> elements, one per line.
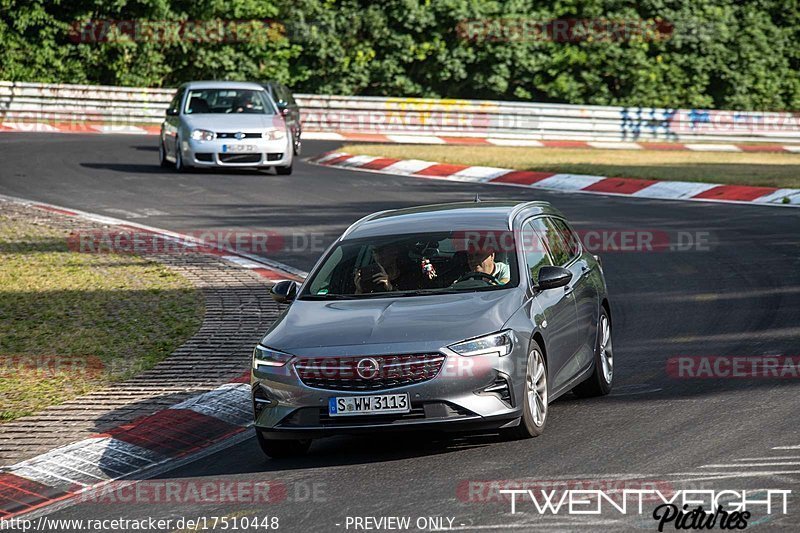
<point>733,367</point>
<point>141,242</point>
<point>563,30</point>
<point>593,240</point>
<point>51,365</point>
<point>210,492</point>
<point>214,31</point>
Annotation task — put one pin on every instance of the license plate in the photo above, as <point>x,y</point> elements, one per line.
<point>238,148</point>
<point>368,405</point>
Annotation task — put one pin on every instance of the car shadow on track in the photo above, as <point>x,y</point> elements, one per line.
<point>139,168</point>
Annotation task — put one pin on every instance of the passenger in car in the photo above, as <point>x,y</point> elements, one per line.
<point>393,270</point>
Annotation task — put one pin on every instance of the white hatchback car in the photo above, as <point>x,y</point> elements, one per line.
<point>225,124</point>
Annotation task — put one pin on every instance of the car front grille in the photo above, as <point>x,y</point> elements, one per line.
<point>232,135</point>
<point>368,373</point>
<point>240,158</point>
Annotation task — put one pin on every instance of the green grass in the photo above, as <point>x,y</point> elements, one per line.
<point>740,168</point>
<point>73,322</point>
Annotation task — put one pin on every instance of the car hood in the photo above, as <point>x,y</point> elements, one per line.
<point>389,325</point>
<point>233,122</point>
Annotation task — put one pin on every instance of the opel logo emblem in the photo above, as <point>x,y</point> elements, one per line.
<point>367,368</point>
<point>239,135</point>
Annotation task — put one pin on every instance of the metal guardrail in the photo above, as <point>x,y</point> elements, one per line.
<point>35,102</point>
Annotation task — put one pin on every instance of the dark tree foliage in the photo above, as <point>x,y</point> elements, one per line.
<point>670,53</point>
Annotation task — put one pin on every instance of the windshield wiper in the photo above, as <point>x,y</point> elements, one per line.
<point>326,297</point>
<point>426,292</point>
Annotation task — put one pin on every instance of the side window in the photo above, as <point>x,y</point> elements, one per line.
<point>552,239</point>
<point>569,237</point>
<point>288,96</point>
<point>534,249</point>
<point>176,101</point>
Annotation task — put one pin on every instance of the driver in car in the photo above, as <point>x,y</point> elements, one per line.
<point>245,105</point>
<point>482,259</point>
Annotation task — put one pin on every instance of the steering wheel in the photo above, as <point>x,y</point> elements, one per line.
<point>483,276</point>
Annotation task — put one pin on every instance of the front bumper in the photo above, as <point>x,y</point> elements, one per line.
<point>218,153</point>
<point>455,399</point>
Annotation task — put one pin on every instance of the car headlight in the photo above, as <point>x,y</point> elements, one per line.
<point>495,344</point>
<point>203,135</point>
<point>263,356</point>
<point>274,134</point>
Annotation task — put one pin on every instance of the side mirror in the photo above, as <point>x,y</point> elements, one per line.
<point>283,107</point>
<point>172,112</point>
<point>551,277</point>
<point>284,292</point>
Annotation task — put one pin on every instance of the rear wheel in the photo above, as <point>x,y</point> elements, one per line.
<point>282,448</point>
<point>534,417</point>
<point>599,383</point>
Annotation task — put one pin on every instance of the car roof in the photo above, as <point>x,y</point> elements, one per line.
<point>223,85</point>
<point>484,215</point>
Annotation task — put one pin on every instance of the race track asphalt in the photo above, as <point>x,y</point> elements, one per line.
<point>737,296</point>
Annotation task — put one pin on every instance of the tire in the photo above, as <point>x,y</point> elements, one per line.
<point>179,165</point>
<point>284,171</point>
<point>298,146</point>
<point>535,404</point>
<point>601,380</point>
<point>282,448</point>
<point>162,156</point>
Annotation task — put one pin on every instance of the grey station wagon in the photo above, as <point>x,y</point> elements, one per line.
<point>449,317</point>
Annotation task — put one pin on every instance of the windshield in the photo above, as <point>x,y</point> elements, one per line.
<point>416,264</point>
<point>221,101</point>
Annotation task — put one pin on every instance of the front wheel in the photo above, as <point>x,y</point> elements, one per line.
<point>284,171</point>
<point>179,164</point>
<point>599,383</point>
<point>162,156</point>
<point>535,406</point>
<point>277,449</point>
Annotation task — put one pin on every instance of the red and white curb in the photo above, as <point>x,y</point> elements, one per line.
<point>536,142</point>
<point>529,141</point>
<point>144,447</point>
<point>639,188</point>
<point>140,449</point>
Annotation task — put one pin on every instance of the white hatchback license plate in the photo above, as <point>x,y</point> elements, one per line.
<point>368,405</point>
<point>238,148</point>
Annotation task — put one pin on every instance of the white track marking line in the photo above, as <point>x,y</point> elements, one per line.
<point>534,525</point>
<point>743,465</point>
<point>674,189</point>
<point>416,139</point>
<point>567,182</point>
<point>611,145</point>
<point>791,457</point>
<point>329,156</point>
<point>795,447</point>
<point>713,147</point>
<point>777,197</point>
<point>516,142</point>
<point>322,136</point>
<point>407,166</point>
<point>242,262</point>
<point>477,174</point>
<point>358,160</point>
